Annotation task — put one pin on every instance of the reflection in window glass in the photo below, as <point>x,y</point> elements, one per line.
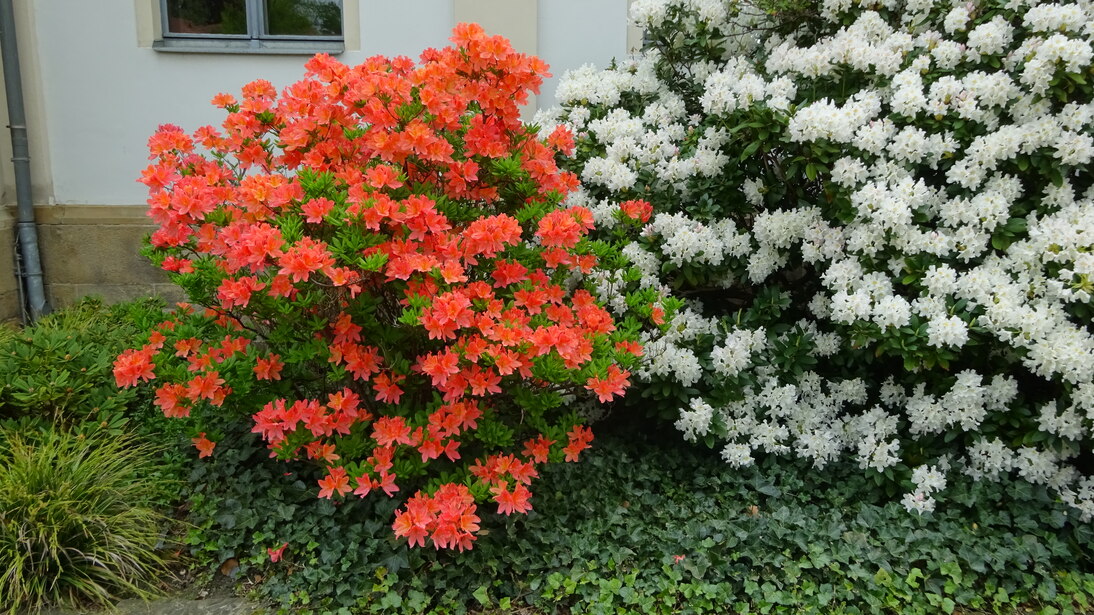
<point>207,16</point>
<point>304,17</point>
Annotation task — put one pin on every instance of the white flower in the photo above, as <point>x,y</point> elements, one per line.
<point>892,311</point>
<point>1034,465</point>
<point>849,307</point>
<point>1074,148</point>
<point>989,459</point>
<point>1066,424</point>
<point>918,502</point>
<point>950,331</point>
<point>928,479</point>
<point>956,19</point>
<point>735,353</point>
<point>609,173</point>
<point>940,280</point>
<point>737,455</point>
<point>931,147</point>
<point>991,38</point>
<point>1055,17</point>
<point>753,190</point>
<point>695,421</point>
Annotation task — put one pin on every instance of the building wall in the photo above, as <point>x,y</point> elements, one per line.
<point>9,289</point>
<point>95,89</point>
<point>34,105</point>
<point>95,250</point>
<point>577,32</point>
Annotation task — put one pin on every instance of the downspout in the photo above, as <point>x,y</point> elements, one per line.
<point>29,263</point>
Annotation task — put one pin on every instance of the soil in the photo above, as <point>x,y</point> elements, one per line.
<point>184,596</point>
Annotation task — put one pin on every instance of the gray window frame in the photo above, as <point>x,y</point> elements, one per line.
<point>256,40</point>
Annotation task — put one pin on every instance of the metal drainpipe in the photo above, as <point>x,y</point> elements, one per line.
<point>30,277</point>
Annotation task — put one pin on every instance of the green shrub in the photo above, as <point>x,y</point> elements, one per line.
<point>870,222</point>
<point>60,369</point>
<point>416,335</point>
<point>77,520</point>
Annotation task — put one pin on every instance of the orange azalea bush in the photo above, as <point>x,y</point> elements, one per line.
<point>387,281</point>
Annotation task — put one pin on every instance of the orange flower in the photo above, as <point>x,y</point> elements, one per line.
<point>315,209</point>
<point>439,366</point>
<point>562,140</point>
<point>275,554</point>
<point>538,449</point>
<point>610,386</point>
<point>133,366</point>
<point>512,501</point>
<point>391,430</point>
<point>237,293</point>
<point>204,386</point>
<point>657,315</point>
<point>269,368</point>
<point>637,210</point>
<point>308,255</point>
<point>387,387</point>
<point>336,481</point>
<point>580,438</point>
<point>223,100</point>
<point>204,445</point>
<point>169,398</point>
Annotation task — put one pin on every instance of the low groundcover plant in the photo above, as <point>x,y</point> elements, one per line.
<point>387,283</point>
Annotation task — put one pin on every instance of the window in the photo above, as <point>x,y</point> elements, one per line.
<point>251,26</point>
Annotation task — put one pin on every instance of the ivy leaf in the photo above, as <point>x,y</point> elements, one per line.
<point>482,596</point>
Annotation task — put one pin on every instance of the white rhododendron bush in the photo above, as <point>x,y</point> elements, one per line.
<point>871,231</point>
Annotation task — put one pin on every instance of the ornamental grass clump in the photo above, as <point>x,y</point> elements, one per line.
<point>386,283</point>
<point>78,521</point>
<point>870,226</point>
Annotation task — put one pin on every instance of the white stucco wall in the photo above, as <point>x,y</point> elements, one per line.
<point>576,32</point>
<point>103,94</point>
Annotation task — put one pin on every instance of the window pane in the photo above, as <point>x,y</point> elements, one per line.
<point>304,17</point>
<point>207,16</point>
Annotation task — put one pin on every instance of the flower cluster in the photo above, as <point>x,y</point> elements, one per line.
<point>872,226</point>
<point>387,281</point>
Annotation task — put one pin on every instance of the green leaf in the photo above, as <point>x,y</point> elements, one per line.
<point>912,580</point>
<point>1055,176</point>
<point>748,151</point>
<point>481,594</point>
<point>391,600</point>
<point>374,262</point>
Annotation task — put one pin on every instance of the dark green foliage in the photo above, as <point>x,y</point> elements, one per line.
<point>606,534</point>
<point>243,503</point>
<point>60,369</point>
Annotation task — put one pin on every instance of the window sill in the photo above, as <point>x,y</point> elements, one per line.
<point>252,46</point>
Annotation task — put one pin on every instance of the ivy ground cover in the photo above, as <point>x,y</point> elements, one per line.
<point>642,526</point>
